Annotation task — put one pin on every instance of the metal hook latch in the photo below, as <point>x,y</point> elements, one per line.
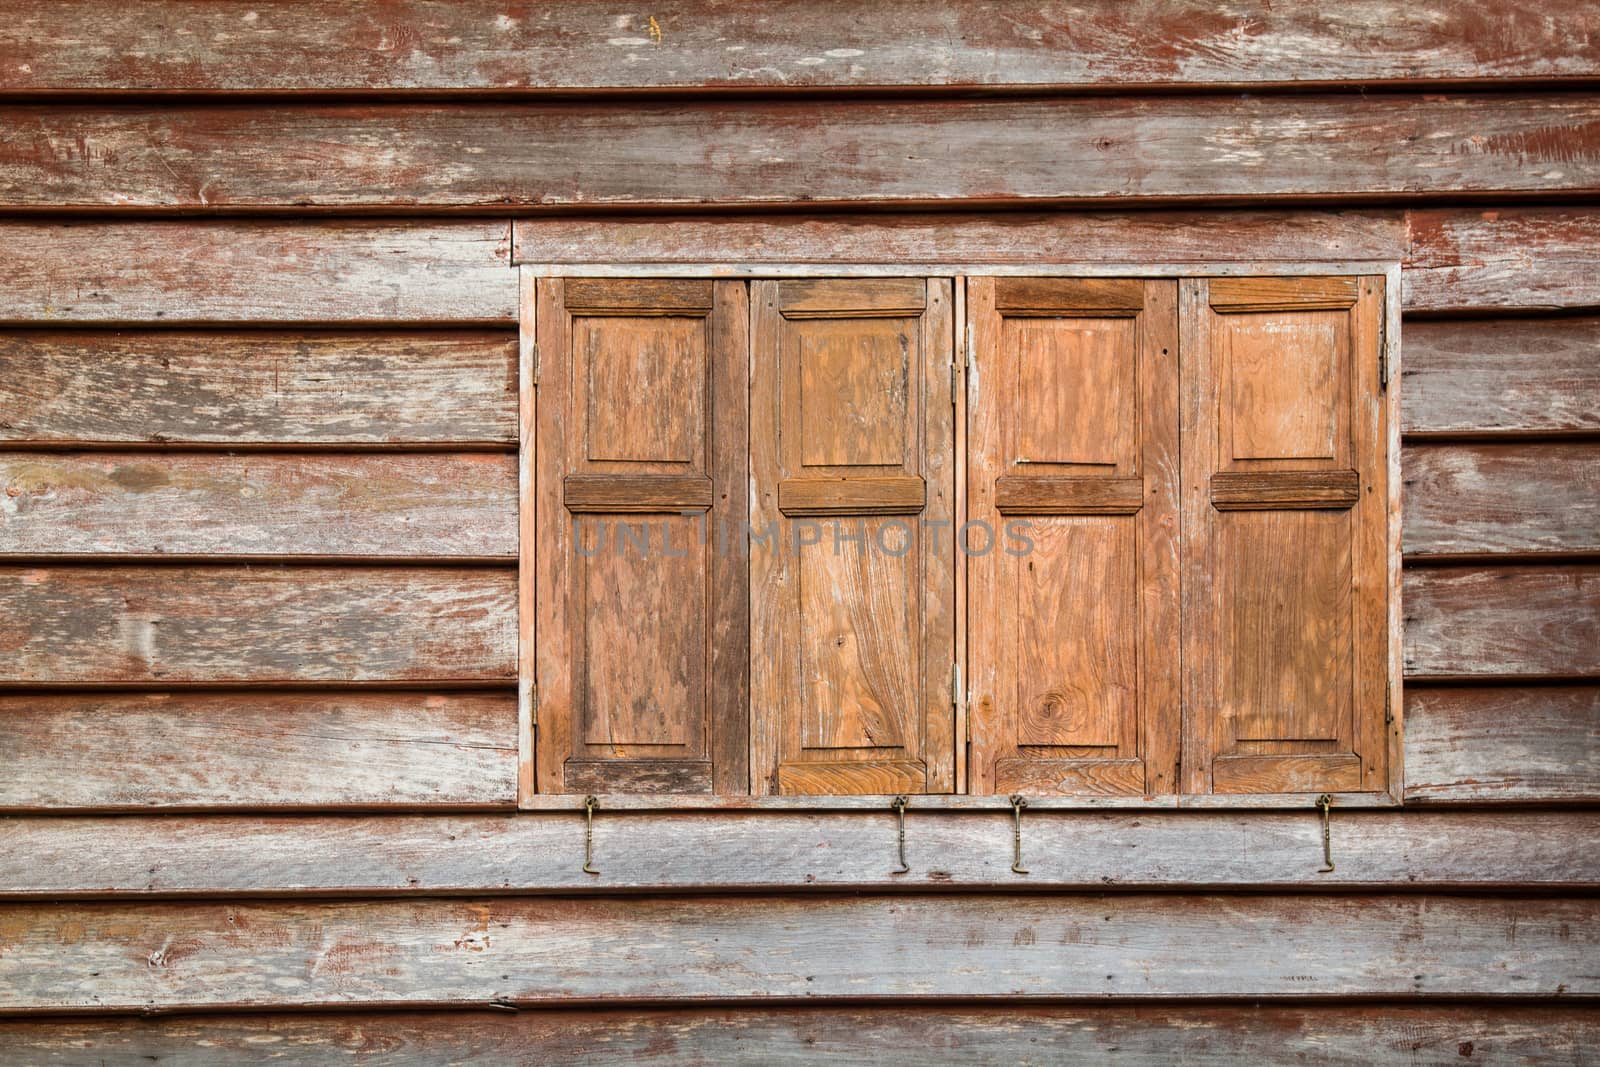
<point>1325,802</point>
<point>1017,804</point>
<point>900,804</point>
<point>589,804</point>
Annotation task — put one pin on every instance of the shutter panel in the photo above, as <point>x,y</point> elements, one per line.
<point>852,644</point>
<point>1285,507</point>
<point>641,649</point>
<point>1074,640</point>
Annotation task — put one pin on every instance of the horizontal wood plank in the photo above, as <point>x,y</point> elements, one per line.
<point>170,625</point>
<point>109,504</point>
<point>201,272</point>
<point>1064,150</point>
<point>1474,745</point>
<point>687,851</point>
<point>1521,259</point>
<point>1018,240</point>
<point>278,46</point>
<point>1277,490</point>
<point>1501,376</point>
<point>1008,947</point>
<point>898,1036</point>
<point>1511,499</point>
<point>1048,495</point>
<point>865,495</point>
<point>903,1035</point>
<point>254,388</point>
<point>256,750</point>
<point>1476,623</point>
<point>605,493</point>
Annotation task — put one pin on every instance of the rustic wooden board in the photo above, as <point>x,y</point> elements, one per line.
<point>1507,622</point>
<point>905,1035</point>
<point>1494,745</point>
<point>685,852</point>
<point>1501,376</point>
<point>428,46</point>
<point>350,507</point>
<point>1092,149</point>
<point>1011,239</point>
<point>1501,259</point>
<point>1501,499</point>
<point>1011,947</point>
<point>250,388</point>
<point>255,750</point>
<point>177,271</point>
<point>186,625</point>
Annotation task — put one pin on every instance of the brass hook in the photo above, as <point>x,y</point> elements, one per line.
<point>1325,802</point>
<point>900,805</point>
<point>589,804</point>
<point>1017,804</point>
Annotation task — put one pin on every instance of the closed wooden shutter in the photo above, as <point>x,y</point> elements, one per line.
<point>852,641</point>
<point>1073,463</point>
<point>641,648</point>
<point>1285,502</point>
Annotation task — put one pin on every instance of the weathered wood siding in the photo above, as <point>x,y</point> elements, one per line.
<point>258,528</point>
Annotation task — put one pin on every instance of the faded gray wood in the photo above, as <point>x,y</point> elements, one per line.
<point>1010,239</point>
<point>491,46</point>
<point>1501,376</point>
<point>909,1035</point>
<point>1475,745</point>
<point>254,751</point>
<point>685,852</point>
<point>192,624</point>
<point>259,388</point>
<point>1482,623</point>
<point>993,946</point>
<point>1113,149</point>
<point>1502,499</point>
<point>176,271</point>
<point>1496,259</point>
<point>130,504</point>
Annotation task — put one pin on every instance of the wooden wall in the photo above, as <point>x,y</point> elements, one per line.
<point>258,531</point>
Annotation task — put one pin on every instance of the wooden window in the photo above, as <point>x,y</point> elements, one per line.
<point>1174,574</point>
<point>641,444</point>
<point>852,444</point>
<point>1074,447</point>
<point>1285,564</point>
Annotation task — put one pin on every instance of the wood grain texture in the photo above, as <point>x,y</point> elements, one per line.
<point>1005,947</point>
<point>250,388</point>
<point>139,504</point>
<point>1504,259</point>
<point>1488,500</point>
<point>1014,239</point>
<point>1501,376</point>
<point>1481,623</point>
<point>898,1036</point>
<point>176,272</point>
<point>427,46</point>
<point>1494,745</point>
<point>196,625</point>
<point>1115,149</point>
<point>256,751</point>
<point>771,851</point>
<point>1045,495</point>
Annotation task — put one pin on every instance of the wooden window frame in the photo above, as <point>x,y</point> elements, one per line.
<point>630,260</point>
